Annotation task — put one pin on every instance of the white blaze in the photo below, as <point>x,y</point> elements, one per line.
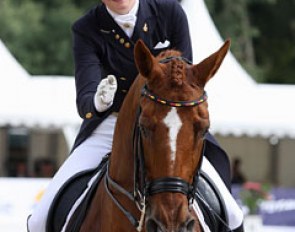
<point>173,123</point>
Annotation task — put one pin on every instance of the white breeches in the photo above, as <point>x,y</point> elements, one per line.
<point>89,154</point>
<point>86,156</point>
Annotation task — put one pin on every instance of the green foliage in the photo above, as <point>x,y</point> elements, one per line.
<point>262,33</point>
<point>275,48</point>
<point>18,27</point>
<point>253,193</point>
<point>84,4</point>
<point>38,33</point>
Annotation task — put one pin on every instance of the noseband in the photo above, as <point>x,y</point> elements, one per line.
<point>144,188</point>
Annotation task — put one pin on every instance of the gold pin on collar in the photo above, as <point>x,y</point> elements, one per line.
<point>126,25</point>
<point>145,27</point>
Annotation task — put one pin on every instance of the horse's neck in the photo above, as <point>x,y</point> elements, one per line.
<point>122,159</point>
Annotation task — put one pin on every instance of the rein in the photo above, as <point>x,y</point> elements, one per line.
<point>143,188</point>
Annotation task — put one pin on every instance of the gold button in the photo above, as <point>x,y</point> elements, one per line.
<point>88,115</point>
<point>123,78</point>
<point>124,90</point>
<point>117,36</point>
<point>127,45</point>
<point>122,40</point>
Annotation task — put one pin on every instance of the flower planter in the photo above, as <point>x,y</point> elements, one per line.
<point>253,223</point>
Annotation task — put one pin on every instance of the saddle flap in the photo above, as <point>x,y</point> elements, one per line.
<point>211,203</point>
<point>69,194</point>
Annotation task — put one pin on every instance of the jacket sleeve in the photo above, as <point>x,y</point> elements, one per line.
<point>88,71</point>
<point>178,29</point>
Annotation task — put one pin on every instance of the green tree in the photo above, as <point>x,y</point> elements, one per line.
<point>262,32</point>
<point>19,25</point>
<point>275,47</point>
<point>38,33</point>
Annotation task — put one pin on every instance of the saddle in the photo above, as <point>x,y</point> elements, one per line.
<point>207,196</point>
<point>69,194</point>
<point>211,203</point>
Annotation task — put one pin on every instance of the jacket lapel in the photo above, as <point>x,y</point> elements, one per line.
<point>146,22</point>
<point>144,27</point>
<point>113,34</point>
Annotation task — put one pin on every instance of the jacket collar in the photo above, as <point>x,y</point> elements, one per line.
<point>146,21</point>
<point>144,27</point>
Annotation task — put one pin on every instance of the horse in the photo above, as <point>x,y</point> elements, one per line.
<point>158,146</point>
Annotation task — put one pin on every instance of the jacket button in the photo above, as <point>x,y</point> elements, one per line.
<point>127,45</point>
<point>123,78</point>
<point>122,40</point>
<point>117,36</point>
<point>88,115</point>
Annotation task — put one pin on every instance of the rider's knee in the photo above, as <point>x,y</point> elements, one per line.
<point>236,218</point>
<point>35,224</point>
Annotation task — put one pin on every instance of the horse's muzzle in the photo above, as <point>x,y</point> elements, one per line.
<point>155,226</point>
<point>170,212</point>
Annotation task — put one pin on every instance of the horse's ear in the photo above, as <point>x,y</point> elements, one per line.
<point>144,60</point>
<point>206,69</point>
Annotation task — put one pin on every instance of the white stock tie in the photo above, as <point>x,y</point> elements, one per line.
<point>126,22</point>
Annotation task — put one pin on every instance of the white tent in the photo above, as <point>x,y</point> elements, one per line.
<point>238,105</point>
<point>34,101</point>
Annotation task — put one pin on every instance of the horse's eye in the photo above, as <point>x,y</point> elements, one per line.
<point>197,128</point>
<point>200,131</point>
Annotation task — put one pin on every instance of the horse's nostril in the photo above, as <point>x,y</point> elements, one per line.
<point>152,226</point>
<point>190,225</point>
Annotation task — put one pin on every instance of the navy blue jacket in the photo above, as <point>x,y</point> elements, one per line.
<point>101,47</point>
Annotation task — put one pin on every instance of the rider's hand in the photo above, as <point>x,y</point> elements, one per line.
<point>104,96</point>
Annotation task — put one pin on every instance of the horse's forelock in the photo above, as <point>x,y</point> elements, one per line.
<point>176,67</point>
<point>177,72</point>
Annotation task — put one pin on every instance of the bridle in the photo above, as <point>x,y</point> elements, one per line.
<point>144,188</point>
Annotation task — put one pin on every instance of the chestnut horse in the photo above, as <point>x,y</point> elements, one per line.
<point>157,147</point>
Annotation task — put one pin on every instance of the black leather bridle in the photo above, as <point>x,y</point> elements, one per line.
<point>164,184</point>
<point>144,188</point>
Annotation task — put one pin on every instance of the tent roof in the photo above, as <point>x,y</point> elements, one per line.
<point>45,102</point>
<point>34,101</point>
<point>10,69</point>
<point>237,104</point>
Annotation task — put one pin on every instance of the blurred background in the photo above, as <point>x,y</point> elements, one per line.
<point>37,32</point>
<point>251,101</point>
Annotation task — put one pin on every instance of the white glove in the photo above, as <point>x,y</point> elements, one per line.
<point>104,96</point>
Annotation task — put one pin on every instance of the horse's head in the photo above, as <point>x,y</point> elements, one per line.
<point>173,121</point>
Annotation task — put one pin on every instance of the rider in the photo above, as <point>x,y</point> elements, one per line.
<point>104,40</point>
